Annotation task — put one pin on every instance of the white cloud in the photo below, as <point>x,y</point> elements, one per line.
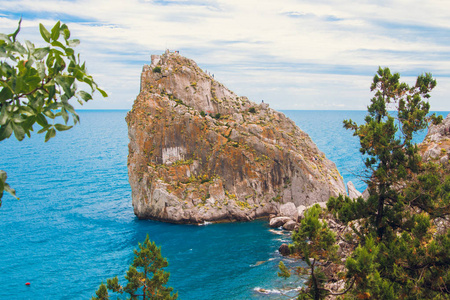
<point>294,54</point>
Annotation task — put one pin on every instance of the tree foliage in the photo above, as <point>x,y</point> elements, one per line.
<point>37,84</point>
<point>386,139</point>
<point>146,277</point>
<point>316,242</point>
<point>400,241</point>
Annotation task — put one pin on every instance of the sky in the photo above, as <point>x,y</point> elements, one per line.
<point>293,54</point>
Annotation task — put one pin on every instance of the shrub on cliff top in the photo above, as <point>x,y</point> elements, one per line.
<point>157,69</point>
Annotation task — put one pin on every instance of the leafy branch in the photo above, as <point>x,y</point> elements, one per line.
<point>37,84</point>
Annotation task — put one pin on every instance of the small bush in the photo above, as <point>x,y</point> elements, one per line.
<point>202,113</point>
<point>252,110</point>
<point>157,69</point>
<point>217,116</point>
<point>204,178</point>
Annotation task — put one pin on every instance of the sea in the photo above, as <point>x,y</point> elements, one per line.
<point>74,225</point>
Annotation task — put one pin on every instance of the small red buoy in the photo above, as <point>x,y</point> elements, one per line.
<point>27,283</point>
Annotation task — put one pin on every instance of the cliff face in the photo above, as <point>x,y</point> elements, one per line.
<point>436,145</point>
<point>198,152</point>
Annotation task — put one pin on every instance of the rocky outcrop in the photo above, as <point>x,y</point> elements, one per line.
<point>353,193</point>
<point>289,210</point>
<point>436,145</point>
<point>198,152</point>
<point>284,250</point>
<point>278,221</point>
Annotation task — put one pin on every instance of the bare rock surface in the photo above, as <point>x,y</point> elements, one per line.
<point>198,152</point>
<point>278,221</point>
<point>284,250</point>
<point>436,145</point>
<point>353,193</point>
<point>301,210</point>
<point>290,225</point>
<point>289,210</point>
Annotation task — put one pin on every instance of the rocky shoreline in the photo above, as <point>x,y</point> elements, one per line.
<point>289,219</point>
<point>289,215</point>
<point>435,148</point>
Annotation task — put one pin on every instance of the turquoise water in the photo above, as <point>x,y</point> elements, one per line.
<point>74,225</point>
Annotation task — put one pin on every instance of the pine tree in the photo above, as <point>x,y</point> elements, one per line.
<point>386,140</point>
<point>316,242</point>
<point>401,233</point>
<point>400,252</point>
<point>146,277</point>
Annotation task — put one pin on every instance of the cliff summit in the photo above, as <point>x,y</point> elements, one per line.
<point>198,152</point>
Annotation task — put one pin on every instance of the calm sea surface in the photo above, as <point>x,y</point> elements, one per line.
<point>74,225</point>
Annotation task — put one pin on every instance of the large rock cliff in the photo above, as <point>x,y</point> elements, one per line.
<point>198,152</point>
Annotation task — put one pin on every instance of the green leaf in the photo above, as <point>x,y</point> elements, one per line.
<point>4,37</point>
<point>20,85</point>
<point>61,127</point>
<point>49,114</point>
<point>69,107</point>
<point>76,118</point>
<point>32,82</point>
<point>5,94</point>
<point>30,45</point>
<point>85,96</point>
<point>10,190</point>
<point>20,48</point>
<point>64,115</point>
<point>41,120</point>
<point>40,66</point>
<point>5,131</point>
<point>44,33</point>
<point>56,31</point>
<point>65,30</point>
<point>3,115</point>
<point>4,186</point>
<point>44,129</point>
<point>27,111</point>
<point>104,94</point>
<point>58,44</point>
<point>19,131</point>
<point>73,43</point>
<point>14,35</point>
<point>3,176</point>
<point>70,52</point>
<point>65,83</point>
<point>27,125</point>
<point>40,53</point>
<point>17,118</point>
<point>50,133</point>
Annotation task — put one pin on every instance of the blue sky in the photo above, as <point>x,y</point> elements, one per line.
<point>312,54</point>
